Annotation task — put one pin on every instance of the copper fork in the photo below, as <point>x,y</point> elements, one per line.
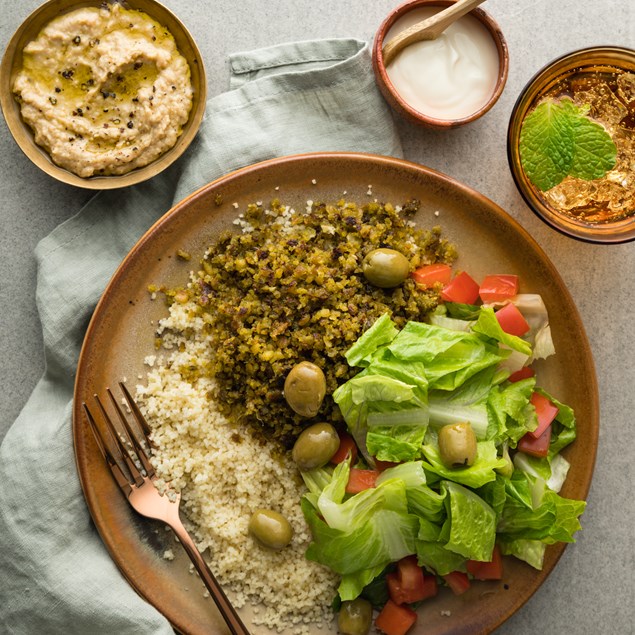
<point>135,475</point>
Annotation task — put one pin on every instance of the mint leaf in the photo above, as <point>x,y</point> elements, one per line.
<point>557,139</point>
<point>594,152</point>
<point>546,144</point>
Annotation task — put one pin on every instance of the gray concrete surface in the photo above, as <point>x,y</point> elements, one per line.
<point>592,590</point>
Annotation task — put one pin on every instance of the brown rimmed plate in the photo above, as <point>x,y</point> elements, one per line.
<point>121,334</point>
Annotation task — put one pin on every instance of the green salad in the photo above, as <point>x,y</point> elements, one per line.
<point>396,497</point>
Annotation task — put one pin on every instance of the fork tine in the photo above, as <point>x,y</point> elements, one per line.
<point>137,477</point>
<point>140,451</point>
<point>118,473</point>
<point>137,413</point>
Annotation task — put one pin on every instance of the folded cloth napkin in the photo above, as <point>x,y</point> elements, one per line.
<point>55,574</point>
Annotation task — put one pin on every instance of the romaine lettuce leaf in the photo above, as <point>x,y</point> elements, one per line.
<point>449,357</point>
<point>554,520</point>
<point>343,513</point>
<point>380,333</point>
<point>395,443</point>
<point>511,413</point>
<point>422,500</point>
<point>437,558</point>
<point>387,536</point>
<point>352,584</point>
<point>488,325</point>
<point>553,470</point>
<point>470,524</point>
<point>495,495</point>
<point>476,475</point>
<point>531,551</point>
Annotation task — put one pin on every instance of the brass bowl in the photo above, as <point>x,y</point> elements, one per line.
<point>391,94</point>
<point>596,58</point>
<point>22,133</point>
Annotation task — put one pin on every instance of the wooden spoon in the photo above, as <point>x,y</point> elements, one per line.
<point>428,29</point>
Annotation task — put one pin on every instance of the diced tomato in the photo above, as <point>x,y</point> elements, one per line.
<point>384,465</point>
<point>347,444</point>
<point>462,289</point>
<point>492,570</point>
<point>546,412</point>
<point>395,619</point>
<point>430,587</point>
<point>409,583</point>
<point>429,275</point>
<point>512,320</point>
<point>395,590</point>
<point>359,480</point>
<point>457,581</point>
<point>410,574</point>
<point>524,373</point>
<point>536,447</point>
<point>498,287</point>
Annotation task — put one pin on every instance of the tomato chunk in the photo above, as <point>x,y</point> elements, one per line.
<point>384,465</point>
<point>395,619</point>
<point>492,570</point>
<point>461,289</point>
<point>347,444</point>
<point>410,573</point>
<point>536,447</point>
<point>498,287</point>
<point>395,590</point>
<point>429,275</point>
<point>359,480</point>
<point>409,584</point>
<point>457,581</point>
<point>546,412</point>
<point>524,373</point>
<point>512,320</point>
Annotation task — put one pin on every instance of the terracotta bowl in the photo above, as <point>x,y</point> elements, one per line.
<point>391,94</point>
<point>22,133</point>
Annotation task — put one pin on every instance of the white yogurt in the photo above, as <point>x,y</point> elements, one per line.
<point>451,77</point>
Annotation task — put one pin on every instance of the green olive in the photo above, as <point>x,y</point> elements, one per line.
<point>304,389</point>
<point>457,445</point>
<point>270,529</point>
<point>315,446</point>
<point>385,268</point>
<point>355,617</point>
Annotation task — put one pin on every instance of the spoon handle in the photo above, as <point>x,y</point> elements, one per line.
<point>428,29</point>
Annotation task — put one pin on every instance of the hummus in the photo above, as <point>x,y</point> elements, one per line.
<point>104,89</point>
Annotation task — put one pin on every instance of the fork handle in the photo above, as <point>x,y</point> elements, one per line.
<point>225,607</point>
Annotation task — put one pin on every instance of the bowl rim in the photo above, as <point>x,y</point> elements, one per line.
<point>24,136</point>
<point>530,91</point>
<point>401,105</point>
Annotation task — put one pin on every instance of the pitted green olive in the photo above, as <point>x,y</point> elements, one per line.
<point>355,617</point>
<point>270,529</point>
<point>457,445</point>
<point>385,268</point>
<point>304,389</point>
<point>315,446</point>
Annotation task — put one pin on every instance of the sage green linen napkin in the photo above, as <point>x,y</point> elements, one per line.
<point>55,574</point>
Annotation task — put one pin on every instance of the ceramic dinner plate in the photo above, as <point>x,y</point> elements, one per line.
<point>121,334</point>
